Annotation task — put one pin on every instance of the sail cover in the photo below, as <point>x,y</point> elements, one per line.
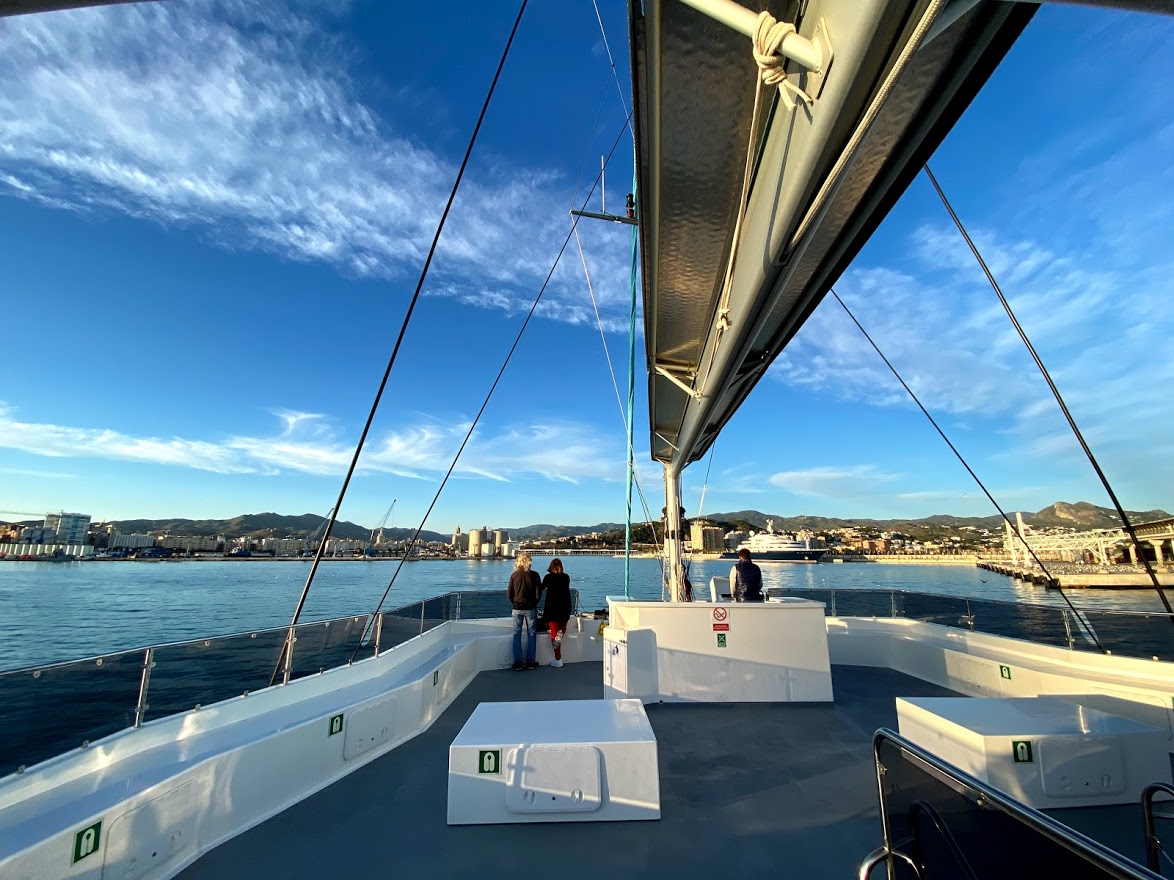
<point>823,177</point>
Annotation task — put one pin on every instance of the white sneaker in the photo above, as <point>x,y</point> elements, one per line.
<point>557,664</point>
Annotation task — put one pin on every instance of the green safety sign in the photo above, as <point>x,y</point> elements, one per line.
<point>1021,751</point>
<point>1005,672</point>
<point>335,724</point>
<point>489,761</point>
<point>86,842</point>
<point>721,640</point>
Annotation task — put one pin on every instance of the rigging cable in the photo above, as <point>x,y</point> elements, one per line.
<point>286,655</point>
<point>615,384</point>
<point>612,62</point>
<point>1056,393</point>
<point>969,470</point>
<point>472,427</point>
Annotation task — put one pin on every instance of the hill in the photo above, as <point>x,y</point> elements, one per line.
<point>265,525</point>
<point>1081,516</point>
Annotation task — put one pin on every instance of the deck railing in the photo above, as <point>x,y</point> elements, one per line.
<point>50,709</point>
<point>1144,634</point>
<point>938,821</point>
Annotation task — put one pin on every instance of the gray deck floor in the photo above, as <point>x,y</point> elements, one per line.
<point>745,789</point>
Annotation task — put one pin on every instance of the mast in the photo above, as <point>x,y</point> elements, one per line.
<point>631,212</point>
<point>672,533</point>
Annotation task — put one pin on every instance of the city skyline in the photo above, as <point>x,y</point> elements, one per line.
<point>216,253</point>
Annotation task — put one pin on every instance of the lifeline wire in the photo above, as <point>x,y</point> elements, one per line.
<point>970,471</point>
<point>533,307</point>
<point>285,653</point>
<point>1056,393</point>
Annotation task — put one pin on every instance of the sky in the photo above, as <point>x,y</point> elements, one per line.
<point>215,215</point>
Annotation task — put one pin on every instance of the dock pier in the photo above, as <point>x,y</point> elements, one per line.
<point>1077,576</point>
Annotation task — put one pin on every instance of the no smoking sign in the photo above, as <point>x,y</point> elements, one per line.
<point>720,614</point>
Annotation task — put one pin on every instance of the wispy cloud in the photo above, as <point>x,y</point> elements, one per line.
<point>245,121</point>
<point>306,443</point>
<point>835,482</point>
<point>43,475</point>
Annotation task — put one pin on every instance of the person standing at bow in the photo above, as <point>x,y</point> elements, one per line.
<point>524,591</point>
<point>746,579</point>
<point>557,586</point>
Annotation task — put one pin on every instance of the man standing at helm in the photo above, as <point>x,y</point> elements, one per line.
<point>746,579</point>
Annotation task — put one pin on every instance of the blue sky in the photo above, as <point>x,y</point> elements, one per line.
<point>215,214</point>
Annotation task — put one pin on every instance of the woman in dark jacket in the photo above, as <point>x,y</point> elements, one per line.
<point>557,586</point>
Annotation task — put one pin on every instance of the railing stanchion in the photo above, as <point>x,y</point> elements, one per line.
<point>378,630</point>
<point>421,618</point>
<point>834,613</point>
<point>1068,629</point>
<point>144,685</point>
<point>893,602</point>
<point>287,669</point>
<point>458,617</point>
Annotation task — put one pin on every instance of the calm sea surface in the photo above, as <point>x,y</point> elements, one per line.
<point>62,611</point>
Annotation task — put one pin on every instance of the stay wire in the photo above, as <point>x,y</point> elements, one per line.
<point>285,653</point>
<point>1055,393</point>
<point>615,384</point>
<point>484,404</point>
<point>969,470</point>
<point>612,61</point>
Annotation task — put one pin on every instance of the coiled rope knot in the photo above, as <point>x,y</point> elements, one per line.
<point>769,35</point>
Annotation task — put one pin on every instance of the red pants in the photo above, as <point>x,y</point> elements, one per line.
<point>557,627</point>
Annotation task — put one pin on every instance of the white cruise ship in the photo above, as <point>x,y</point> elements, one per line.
<point>771,547</point>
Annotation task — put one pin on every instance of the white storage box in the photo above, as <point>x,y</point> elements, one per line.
<point>1042,751</point>
<point>554,761</point>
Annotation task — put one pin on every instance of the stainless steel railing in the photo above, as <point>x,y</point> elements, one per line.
<point>49,709</point>
<point>938,821</point>
<point>1144,634</point>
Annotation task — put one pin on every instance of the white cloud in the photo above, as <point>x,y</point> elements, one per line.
<point>29,472</point>
<point>834,482</point>
<point>244,121</point>
<point>563,451</point>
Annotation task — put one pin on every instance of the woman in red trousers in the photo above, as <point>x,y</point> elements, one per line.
<point>557,586</point>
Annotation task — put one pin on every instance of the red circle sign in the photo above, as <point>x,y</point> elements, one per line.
<point>720,614</point>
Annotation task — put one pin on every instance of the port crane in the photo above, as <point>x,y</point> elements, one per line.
<point>370,551</point>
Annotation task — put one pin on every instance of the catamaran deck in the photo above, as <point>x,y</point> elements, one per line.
<point>744,788</point>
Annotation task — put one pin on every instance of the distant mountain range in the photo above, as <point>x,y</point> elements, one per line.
<point>1081,515</point>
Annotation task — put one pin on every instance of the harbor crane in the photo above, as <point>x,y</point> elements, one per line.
<point>370,551</point>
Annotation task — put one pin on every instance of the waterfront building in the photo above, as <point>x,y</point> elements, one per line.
<point>283,546</point>
<point>706,538</point>
<point>38,535</point>
<point>130,541</point>
<point>192,543</point>
<point>68,528</point>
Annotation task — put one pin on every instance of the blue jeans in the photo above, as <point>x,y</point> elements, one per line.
<point>528,617</point>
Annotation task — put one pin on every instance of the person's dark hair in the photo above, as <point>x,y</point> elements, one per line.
<point>556,566</point>
<point>744,554</point>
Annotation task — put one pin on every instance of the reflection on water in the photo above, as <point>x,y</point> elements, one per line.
<point>54,612</point>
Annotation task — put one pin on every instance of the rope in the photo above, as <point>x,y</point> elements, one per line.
<point>285,652</point>
<point>768,39</point>
<point>492,388</point>
<point>1055,393</point>
<point>969,470</point>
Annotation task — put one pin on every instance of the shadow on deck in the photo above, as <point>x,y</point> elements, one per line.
<point>744,788</point>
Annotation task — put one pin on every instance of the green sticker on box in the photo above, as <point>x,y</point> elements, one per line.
<point>721,640</point>
<point>489,761</point>
<point>86,842</point>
